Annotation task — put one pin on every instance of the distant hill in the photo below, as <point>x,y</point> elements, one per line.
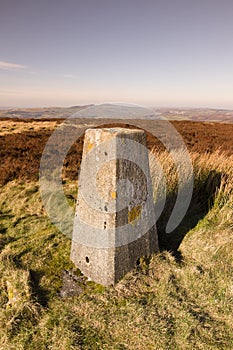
<point>40,113</point>
<point>202,114</point>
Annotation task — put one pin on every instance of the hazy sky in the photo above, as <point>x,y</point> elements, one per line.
<point>150,52</point>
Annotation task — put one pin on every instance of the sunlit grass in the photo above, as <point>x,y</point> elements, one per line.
<point>166,303</point>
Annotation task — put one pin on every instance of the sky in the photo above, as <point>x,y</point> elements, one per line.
<point>162,53</point>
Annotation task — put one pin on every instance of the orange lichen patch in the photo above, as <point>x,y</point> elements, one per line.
<point>113,194</point>
<point>134,214</point>
<point>89,146</point>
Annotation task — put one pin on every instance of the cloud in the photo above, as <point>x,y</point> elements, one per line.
<point>11,66</point>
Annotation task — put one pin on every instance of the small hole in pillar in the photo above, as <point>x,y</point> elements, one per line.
<point>87,259</point>
<point>105,224</point>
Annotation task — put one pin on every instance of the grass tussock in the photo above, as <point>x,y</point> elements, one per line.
<point>181,298</point>
<point>212,199</point>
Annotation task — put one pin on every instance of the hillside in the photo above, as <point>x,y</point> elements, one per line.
<point>181,298</point>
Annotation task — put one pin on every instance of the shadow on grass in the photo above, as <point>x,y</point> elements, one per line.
<point>4,237</point>
<point>202,201</point>
<point>40,293</point>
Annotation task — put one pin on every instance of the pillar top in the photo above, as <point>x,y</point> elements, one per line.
<point>116,130</point>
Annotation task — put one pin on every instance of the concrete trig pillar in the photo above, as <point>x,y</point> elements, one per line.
<point>115,220</point>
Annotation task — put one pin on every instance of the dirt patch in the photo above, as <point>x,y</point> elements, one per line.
<point>22,143</point>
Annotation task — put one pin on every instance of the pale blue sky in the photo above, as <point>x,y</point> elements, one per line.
<point>151,52</point>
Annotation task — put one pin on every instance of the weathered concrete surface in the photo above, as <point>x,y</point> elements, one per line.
<point>115,221</point>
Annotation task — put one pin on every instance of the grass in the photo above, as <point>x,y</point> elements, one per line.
<point>9,127</point>
<point>181,299</point>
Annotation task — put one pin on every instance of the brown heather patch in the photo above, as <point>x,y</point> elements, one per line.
<point>22,142</point>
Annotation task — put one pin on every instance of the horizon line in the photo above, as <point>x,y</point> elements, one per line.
<point>123,103</point>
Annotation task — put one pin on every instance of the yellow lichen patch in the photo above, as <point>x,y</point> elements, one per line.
<point>134,214</point>
<point>89,146</point>
<point>113,194</point>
